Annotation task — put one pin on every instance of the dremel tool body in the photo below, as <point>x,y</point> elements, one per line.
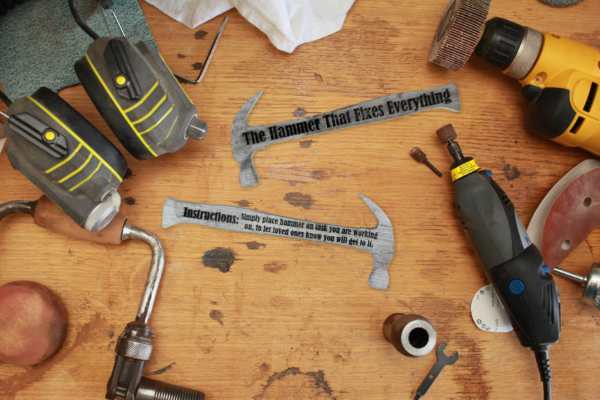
<point>512,263</point>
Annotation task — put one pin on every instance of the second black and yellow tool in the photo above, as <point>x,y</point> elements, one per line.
<point>136,93</point>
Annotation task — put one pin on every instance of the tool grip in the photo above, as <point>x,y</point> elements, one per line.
<point>48,215</point>
<point>530,298</point>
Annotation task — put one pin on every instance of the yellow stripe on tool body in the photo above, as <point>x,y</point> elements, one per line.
<point>173,75</point>
<point>86,179</point>
<point>60,164</point>
<point>139,103</point>
<point>170,130</point>
<point>159,121</point>
<point>145,117</point>
<point>76,137</point>
<point>119,107</point>
<point>464,169</point>
<point>77,170</point>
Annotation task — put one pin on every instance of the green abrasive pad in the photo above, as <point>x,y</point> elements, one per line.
<point>40,41</point>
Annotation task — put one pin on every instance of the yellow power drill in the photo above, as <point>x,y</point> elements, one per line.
<point>560,76</point>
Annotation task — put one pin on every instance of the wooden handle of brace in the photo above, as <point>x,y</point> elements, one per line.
<point>48,215</point>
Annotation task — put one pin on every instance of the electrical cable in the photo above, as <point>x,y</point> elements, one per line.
<point>543,361</point>
<point>80,22</point>
<point>6,5</point>
<point>4,98</point>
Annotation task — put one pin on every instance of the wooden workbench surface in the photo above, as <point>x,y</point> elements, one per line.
<point>295,319</point>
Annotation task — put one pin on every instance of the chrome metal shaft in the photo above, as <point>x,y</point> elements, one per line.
<point>16,207</point>
<point>156,268</point>
<point>581,279</point>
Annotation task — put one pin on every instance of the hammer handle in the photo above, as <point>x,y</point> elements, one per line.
<point>48,215</point>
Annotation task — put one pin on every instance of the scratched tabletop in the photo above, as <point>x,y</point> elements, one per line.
<point>248,316</point>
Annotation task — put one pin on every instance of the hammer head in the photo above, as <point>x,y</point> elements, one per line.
<point>243,153</point>
<point>383,247</point>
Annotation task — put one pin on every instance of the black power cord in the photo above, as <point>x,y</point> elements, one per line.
<point>4,98</point>
<point>80,22</point>
<point>6,5</point>
<point>543,361</point>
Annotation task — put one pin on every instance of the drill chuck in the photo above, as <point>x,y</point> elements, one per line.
<point>509,47</point>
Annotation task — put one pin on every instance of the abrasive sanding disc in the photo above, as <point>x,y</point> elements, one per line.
<point>560,3</point>
<point>458,33</point>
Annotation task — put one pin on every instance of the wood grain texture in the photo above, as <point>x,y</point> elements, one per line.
<point>294,319</point>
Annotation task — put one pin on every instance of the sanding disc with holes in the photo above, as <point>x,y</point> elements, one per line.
<point>568,213</point>
<point>459,32</point>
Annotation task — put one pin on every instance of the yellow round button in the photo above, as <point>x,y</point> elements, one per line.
<point>50,136</point>
<point>121,80</point>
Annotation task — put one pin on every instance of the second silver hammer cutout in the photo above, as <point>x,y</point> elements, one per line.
<point>378,241</point>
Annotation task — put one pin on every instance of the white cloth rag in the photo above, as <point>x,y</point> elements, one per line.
<point>287,23</point>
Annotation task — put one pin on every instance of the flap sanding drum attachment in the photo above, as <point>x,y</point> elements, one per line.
<point>459,32</point>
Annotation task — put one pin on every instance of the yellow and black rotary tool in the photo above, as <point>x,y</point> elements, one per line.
<point>560,76</point>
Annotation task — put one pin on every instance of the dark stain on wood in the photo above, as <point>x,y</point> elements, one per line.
<point>179,55</point>
<point>298,199</point>
<point>300,112</point>
<point>163,370</point>
<point>128,174</point>
<point>199,35</point>
<point>214,302</point>
<point>264,367</point>
<point>292,183</point>
<point>320,175</point>
<point>197,66</point>
<point>274,267</point>
<point>243,203</point>
<point>22,380</point>
<point>471,373</point>
<point>111,332</point>
<point>305,144</point>
<point>511,173</point>
<point>312,385</point>
<point>319,78</point>
<point>217,316</point>
<point>219,258</point>
<point>254,245</point>
<point>130,201</point>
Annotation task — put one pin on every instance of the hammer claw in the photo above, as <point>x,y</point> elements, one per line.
<point>241,119</point>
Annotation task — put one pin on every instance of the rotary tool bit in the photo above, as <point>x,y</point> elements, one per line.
<point>512,263</point>
<point>418,155</point>
<point>559,76</point>
<point>591,293</point>
<point>458,32</point>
